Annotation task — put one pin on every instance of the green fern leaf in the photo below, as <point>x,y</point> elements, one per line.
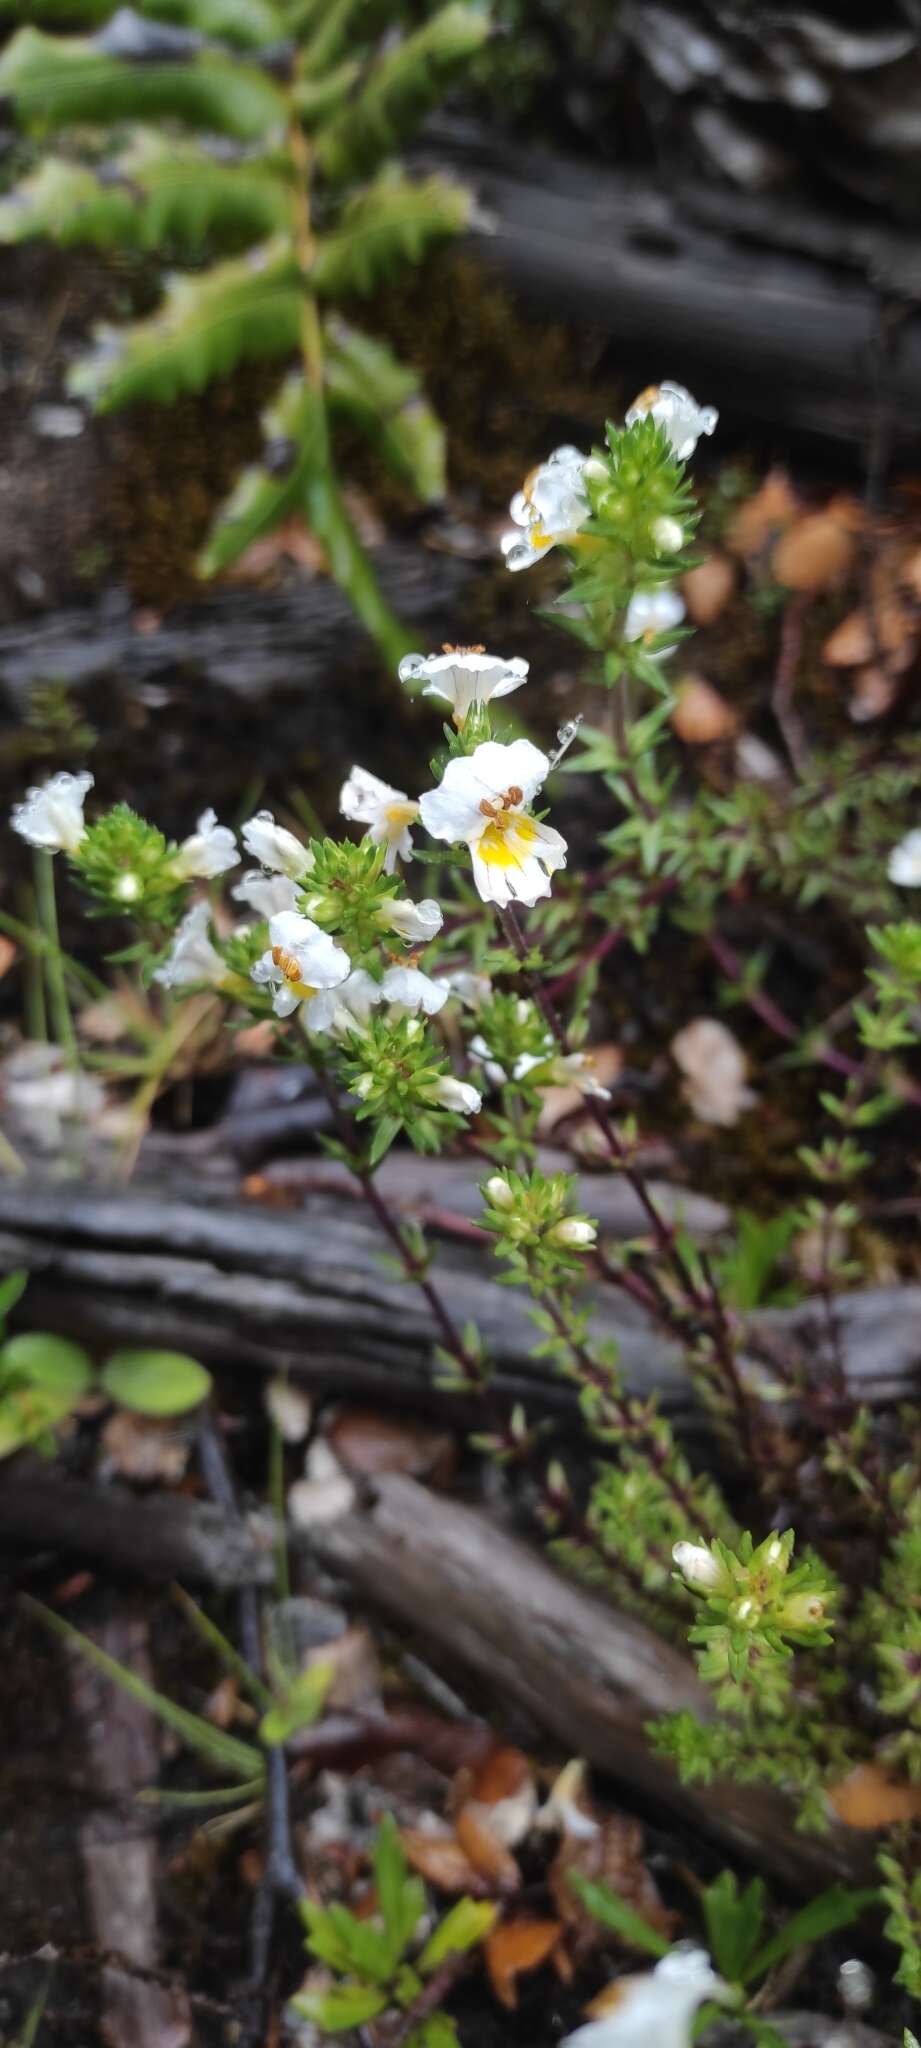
<point>261,499</point>
<point>246,24</point>
<point>54,81</point>
<point>154,196</point>
<point>367,385</point>
<point>394,221</point>
<point>400,90</point>
<point>318,99</point>
<point>235,312</point>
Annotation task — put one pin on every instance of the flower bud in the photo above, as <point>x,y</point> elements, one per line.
<point>803,1610</point>
<point>498,1193</point>
<point>745,1612</point>
<point>457,1095</point>
<point>595,470</point>
<point>667,536</point>
<point>698,1566</point>
<point>574,1233</point>
<point>127,889</point>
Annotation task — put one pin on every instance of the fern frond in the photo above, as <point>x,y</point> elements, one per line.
<point>154,196</point>
<point>56,81</point>
<point>400,90</point>
<point>235,312</point>
<point>395,220</point>
<point>367,384</point>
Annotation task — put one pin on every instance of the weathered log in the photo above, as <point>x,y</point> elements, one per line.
<point>589,1676</point>
<point>160,1536</point>
<point>249,1288</point>
<point>779,324</point>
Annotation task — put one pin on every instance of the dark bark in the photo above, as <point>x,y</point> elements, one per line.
<point>775,309</point>
<point>256,1289</point>
<point>162,1536</point>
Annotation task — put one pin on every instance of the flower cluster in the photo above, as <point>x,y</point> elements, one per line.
<point>531,1218</point>
<point>755,1607</point>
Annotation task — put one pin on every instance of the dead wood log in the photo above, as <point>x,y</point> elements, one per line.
<point>587,1675</point>
<point>160,1536</point>
<point>248,1288</point>
<point>780,325</point>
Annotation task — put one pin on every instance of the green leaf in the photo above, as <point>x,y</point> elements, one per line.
<point>59,81</point>
<point>438,2031</point>
<point>247,24</point>
<point>249,307</point>
<point>734,1921</point>
<point>261,499</point>
<point>342,2007</point>
<point>367,385</point>
<point>299,1706</point>
<point>36,1359</point>
<point>838,1907</point>
<point>386,1130</point>
<point>328,519</point>
<point>223,1648</point>
<point>156,195</point>
<point>468,1923</point>
<point>613,1912</point>
<point>396,220</point>
<point>400,90</point>
<point>390,1876</point>
<point>223,1752</point>
<point>155,1382</point>
<point>12,1290</point>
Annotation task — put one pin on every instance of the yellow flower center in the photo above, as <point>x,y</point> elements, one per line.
<point>506,838</point>
<point>399,815</point>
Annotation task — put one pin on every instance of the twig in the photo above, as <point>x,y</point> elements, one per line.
<point>428,2000</point>
<point>789,721</point>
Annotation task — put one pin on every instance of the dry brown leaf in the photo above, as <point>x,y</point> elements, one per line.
<point>873,695</point>
<point>140,1447</point>
<point>440,1859</point>
<point>221,1705</point>
<point>762,517</point>
<point>614,1855</point>
<point>486,1852</point>
<point>869,1798</point>
<point>8,954</point>
<point>290,542</point>
<point>701,715</point>
<point>501,1775</point>
<point>356,1674</point>
<point>910,574</point>
<point>815,553</point>
<point>707,589</point>
<point>852,643</point>
<point>715,1069</point>
<point>367,1442</point>
<point>514,1947</point>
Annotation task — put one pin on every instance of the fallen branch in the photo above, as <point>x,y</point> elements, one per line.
<point>587,1675</point>
<point>162,1536</point>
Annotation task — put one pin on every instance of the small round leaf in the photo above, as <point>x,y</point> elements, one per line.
<point>37,1359</point>
<point>155,1382</point>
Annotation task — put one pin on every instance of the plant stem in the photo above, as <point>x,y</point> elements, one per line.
<point>304,240</point>
<point>47,911</point>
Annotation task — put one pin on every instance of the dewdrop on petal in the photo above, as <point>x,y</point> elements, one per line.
<point>677,413</point>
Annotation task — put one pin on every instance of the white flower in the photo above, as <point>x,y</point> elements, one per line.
<point>698,1566</point>
<point>407,991</point>
<point>192,960</point>
<point>387,814</point>
<point>673,408</point>
<point>347,1006</point>
<point>45,1095</point>
<point>550,507</point>
<point>289,1408</point>
<point>275,847</point>
<point>210,850</point>
<point>573,1069</point>
<point>416,923</point>
<point>452,1094</point>
<point>302,960</point>
<point>651,612</point>
<point>52,815</point>
<point>655,2006</point>
<point>904,864</point>
<point>575,1233</point>
<point>464,676</point>
<point>481,799</point>
<point>265,894</point>
<point>473,990</point>
<point>493,1070</point>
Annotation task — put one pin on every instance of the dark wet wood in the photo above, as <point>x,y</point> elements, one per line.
<point>775,307</point>
<point>585,1674</point>
<point>256,1289</point>
<point>157,1536</point>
